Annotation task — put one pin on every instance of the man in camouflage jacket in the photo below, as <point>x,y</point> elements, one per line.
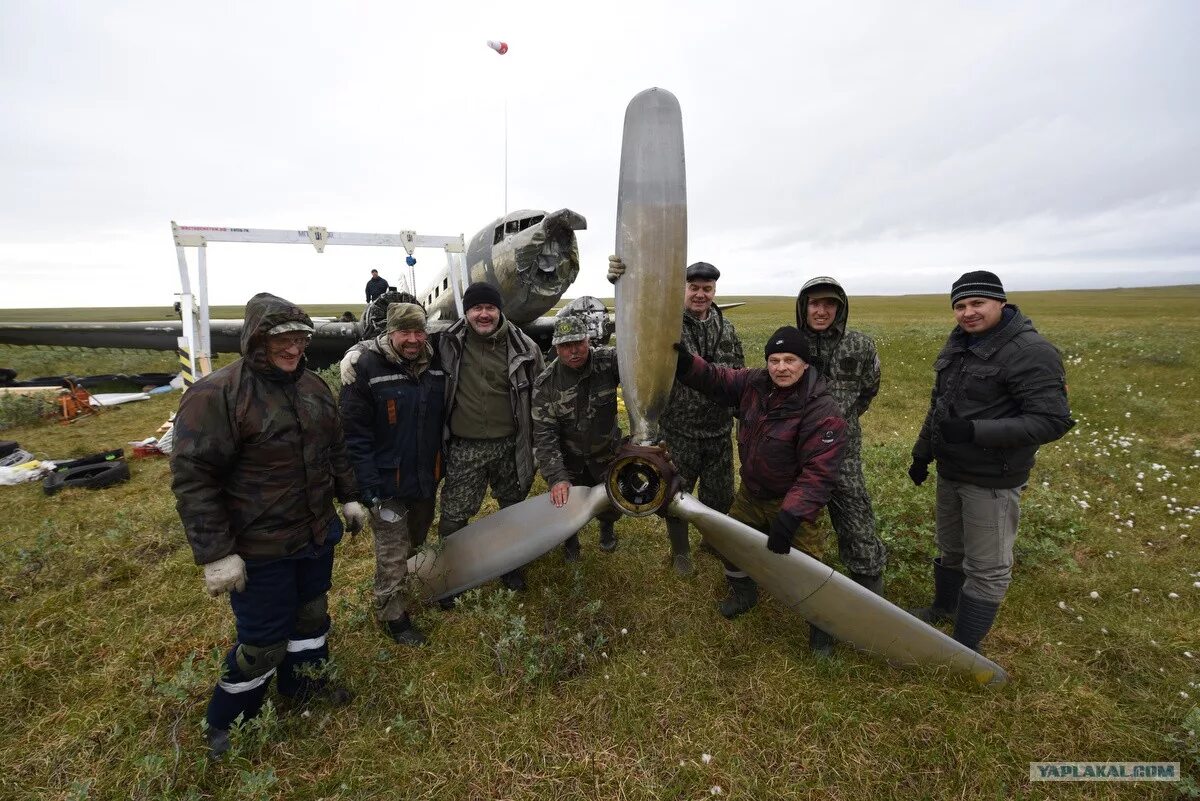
<point>575,432</point>
<point>257,462</point>
<point>849,364</point>
<point>696,428</point>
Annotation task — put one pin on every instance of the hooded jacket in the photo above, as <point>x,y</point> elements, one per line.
<point>524,366</point>
<point>846,359</point>
<point>392,410</point>
<point>1012,385</point>
<point>258,455</point>
<point>790,441</point>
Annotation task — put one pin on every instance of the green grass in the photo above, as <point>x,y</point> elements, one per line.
<point>614,679</point>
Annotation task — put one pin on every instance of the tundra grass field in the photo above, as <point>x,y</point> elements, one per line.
<point>612,678</point>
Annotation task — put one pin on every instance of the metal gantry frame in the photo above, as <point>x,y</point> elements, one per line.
<point>196,337</point>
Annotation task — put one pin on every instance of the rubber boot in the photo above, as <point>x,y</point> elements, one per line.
<point>947,584</point>
<point>743,595</point>
<point>403,632</point>
<point>681,557</point>
<point>872,583</point>
<point>820,642</point>
<point>571,549</point>
<point>445,529</point>
<point>608,537</point>
<point>974,620</point>
<point>514,580</point>
<point>218,743</point>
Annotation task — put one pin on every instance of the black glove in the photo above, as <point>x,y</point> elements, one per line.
<point>918,472</point>
<point>683,360</point>
<point>957,430</point>
<point>783,528</point>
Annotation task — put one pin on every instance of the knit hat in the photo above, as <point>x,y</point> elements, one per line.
<point>702,271</point>
<point>481,292</point>
<point>570,328</point>
<point>787,340</point>
<point>977,284</point>
<point>405,317</point>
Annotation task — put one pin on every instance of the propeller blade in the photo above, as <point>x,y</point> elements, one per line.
<point>652,242</point>
<point>504,541</point>
<point>832,601</point>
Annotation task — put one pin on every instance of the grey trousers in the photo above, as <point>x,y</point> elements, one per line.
<point>976,529</point>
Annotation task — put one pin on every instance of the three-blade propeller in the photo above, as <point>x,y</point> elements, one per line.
<point>652,241</point>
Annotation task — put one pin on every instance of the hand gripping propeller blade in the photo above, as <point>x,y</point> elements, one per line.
<point>504,541</point>
<point>832,601</point>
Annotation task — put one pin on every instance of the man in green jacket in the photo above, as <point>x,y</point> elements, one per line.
<point>575,432</point>
<point>999,392</point>
<point>490,367</point>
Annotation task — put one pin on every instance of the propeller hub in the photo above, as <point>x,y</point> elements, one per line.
<point>642,479</point>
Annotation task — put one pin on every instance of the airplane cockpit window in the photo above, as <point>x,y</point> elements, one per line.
<point>499,235</point>
<point>528,221</point>
<point>512,227</point>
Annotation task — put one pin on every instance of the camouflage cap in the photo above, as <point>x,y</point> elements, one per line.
<point>569,329</point>
<point>293,325</point>
<point>405,317</point>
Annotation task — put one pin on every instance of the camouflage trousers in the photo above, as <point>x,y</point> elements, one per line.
<point>853,519</point>
<point>400,528</point>
<point>471,466</point>
<point>759,513</point>
<point>709,460</point>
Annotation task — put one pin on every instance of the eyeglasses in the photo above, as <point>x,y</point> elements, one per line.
<point>288,341</point>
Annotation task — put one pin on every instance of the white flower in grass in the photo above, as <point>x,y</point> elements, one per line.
<point>715,790</point>
<point>706,758</point>
<point>1095,596</point>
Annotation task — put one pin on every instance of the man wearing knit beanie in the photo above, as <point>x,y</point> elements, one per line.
<point>491,366</point>
<point>392,401</point>
<point>791,435</point>
<point>999,393</point>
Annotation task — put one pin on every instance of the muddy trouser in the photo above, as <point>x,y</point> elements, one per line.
<point>589,476</point>
<point>400,528</point>
<point>976,529</point>
<point>471,466</point>
<point>758,513</point>
<point>282,625</point>
<point>853,519</point>
<point>710,462</point>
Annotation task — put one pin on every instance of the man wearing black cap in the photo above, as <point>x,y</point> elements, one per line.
<point>791,437</point>
<point>490,366</point>
<point>697,429</point>
<point>849,363</point>
<point>376,286</point>
<point>999,392</point>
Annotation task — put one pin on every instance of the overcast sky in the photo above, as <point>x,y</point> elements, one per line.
<point>893,145</point>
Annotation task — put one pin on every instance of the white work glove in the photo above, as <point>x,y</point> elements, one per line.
<point>225,575</point>
<point>616,268</point>
<point>356,517</point>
